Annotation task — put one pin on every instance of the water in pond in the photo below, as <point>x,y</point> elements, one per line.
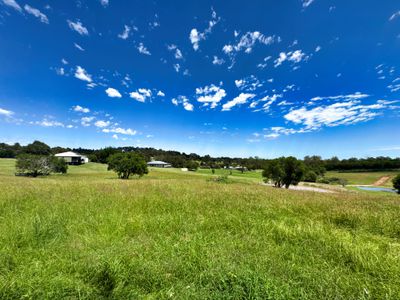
<point>376,189</point>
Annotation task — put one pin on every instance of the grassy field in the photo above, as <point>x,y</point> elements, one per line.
<point>364,178</point>
<point>175,235</point>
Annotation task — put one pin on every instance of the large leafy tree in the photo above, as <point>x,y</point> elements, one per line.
<point>396,183</point>
<point>39,165</point>
<point>284,171</point>
<point>126,164</point>
<point>37,148</point>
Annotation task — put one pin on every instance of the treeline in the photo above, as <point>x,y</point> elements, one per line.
<point>181,159</point>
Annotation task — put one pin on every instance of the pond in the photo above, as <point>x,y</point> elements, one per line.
<point>376,189</point>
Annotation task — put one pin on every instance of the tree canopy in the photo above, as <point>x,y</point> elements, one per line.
<point>126,164</point>
<point>396,183</point>
<point>284,171</point>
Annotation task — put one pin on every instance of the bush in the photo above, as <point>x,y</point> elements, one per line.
<point>396,183</point>
<point>33,165</point>
<point>126,164</point>
<point>39,165</point>
<point>333,180</point>
<point>310,176</point>
<point>192,165</point>
<point>221,179</point>
<point>59,165</point>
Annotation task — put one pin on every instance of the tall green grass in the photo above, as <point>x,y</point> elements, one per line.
<point>88,235</point>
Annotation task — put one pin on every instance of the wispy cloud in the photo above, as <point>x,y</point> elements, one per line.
<point>196,36</point>
<point>125,34</point>
<point>13,4</point>
<point>142,49</point>
<point>241,99</point>
<point>307,3</point>
<point>5,112</point>
<point>81,74</point>
<point>394,16</point>
<point>37,13</point>
<point>78,27</point>
<point>120,130</point>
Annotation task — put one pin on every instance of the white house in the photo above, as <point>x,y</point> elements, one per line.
<point>73,158</point>
<point>159,164</point>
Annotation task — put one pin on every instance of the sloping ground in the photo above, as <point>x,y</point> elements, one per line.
<point>382,181</point>
<point>88,235</point>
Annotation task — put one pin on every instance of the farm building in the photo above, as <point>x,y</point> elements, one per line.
<point>159,164</point>
<point>73,158</point>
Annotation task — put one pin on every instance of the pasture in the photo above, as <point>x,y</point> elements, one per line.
<point>179,235</point>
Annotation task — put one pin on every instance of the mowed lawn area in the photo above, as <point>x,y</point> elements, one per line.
<point>365,178</point>
<point>178,235</point>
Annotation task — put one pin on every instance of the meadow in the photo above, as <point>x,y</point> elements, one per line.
<point>180,235</point>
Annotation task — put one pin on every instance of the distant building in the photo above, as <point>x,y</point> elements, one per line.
<point>159,164</point>
<point>73,158</point>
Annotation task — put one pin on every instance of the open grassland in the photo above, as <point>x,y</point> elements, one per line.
<point>364,178</point>
<point>88,235</point>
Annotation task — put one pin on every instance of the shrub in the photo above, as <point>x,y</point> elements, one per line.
<point>59,165</point>
<point>396,183</point>
<point>126,164</point>
<point>33,165</point>
<point>310,176</point>
<point>333,180</point>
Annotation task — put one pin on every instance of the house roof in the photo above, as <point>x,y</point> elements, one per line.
<point>68,154</point>
<point>158,162</point>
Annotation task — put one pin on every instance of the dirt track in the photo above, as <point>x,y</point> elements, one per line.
<point>381,181</point>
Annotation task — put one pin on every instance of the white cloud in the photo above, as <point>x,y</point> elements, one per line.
<point>78,47</point>
<point>318,48</point>
<point>120,130</point>
<point>195,36</point>
<point>184,101</point>
<point>394,16</point>
<point>78,27</point>
<point>160,94</point>
<point>141,95</point>
<point>248,40</point>
<point>102,124</point>
<point>210,95</point>
<point>79,108</point>
<point>177,67</point>
<point>293,56</point>
<point>241,99</point>
<point>81,74</point>
<point>48,123</point>
<point>354,96</point>
<point>217,61</point>
<point>64,61</point>
<point>115,136</point>
<point>178,53</point>
<point>340,113</point>
<point>86,121</point>
<point>249,83</point>
<point>37,13</point>
<point>142,49</point>
<point>125,34</point>
<point>60,71</point>
<point>104,2</point>
<point>13,4</point>
<point>113,93</point>
<point>7,113</point>
<point>307,3</point>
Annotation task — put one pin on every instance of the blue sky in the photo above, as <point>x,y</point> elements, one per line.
<point>254,78</point>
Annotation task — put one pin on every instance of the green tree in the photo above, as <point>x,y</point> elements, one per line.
<point>284,171</point>
<point>192,165</point>
<point>316,164</point>
<point>33,165</point>
<point>59,165</point>
<point>37,148</point>
<point>274,171</point>
<point>396,183</point>
<point>126,164</point>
